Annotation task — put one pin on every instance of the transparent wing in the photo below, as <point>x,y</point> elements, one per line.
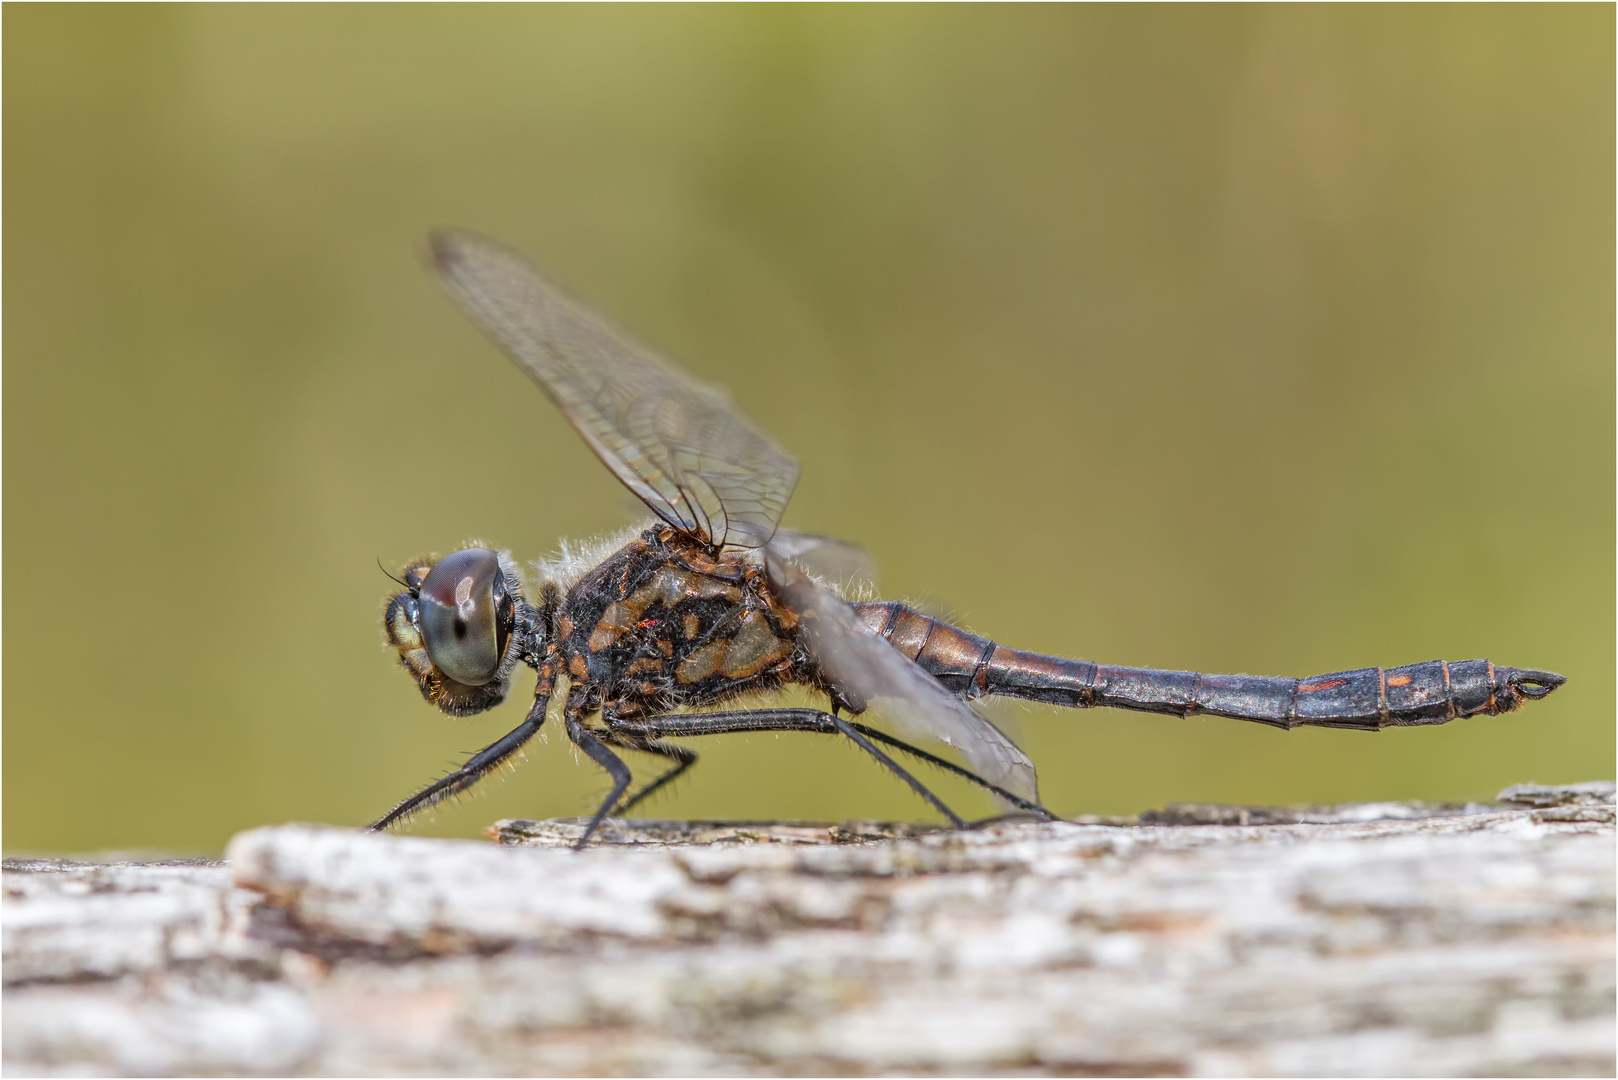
<point>839,561</point>
<point>867,667</point>
<point>676,444</point>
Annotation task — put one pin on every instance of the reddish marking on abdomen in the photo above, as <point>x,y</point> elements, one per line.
<point>1399,680</point>
<point>1329,684</point>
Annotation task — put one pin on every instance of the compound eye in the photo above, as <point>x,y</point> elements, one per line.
<point>458,616</point>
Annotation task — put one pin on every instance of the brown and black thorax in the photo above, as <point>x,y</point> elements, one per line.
<point>665,623</point>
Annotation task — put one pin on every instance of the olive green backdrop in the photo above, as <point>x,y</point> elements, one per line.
<point>1273,339</point>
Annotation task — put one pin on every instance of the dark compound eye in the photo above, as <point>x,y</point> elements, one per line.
<point>459,616</point>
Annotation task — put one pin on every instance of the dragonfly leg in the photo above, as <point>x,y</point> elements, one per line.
<point>915,785</point>
<point>1023,805</point>
<point>476,768</point>
<point>720,723</point>
<point>683,759</point>
<point>598,752</point>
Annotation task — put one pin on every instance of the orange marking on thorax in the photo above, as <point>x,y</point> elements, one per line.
<point>619,617</point>
<point>752,648</point>
<point>700,663</point>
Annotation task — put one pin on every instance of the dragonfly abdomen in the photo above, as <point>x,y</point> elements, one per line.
<point>1366,699</point>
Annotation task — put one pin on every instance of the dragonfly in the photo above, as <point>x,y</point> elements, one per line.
<point>715,602</point>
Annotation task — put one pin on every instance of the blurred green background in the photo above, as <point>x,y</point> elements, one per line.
<point>1265,339</point>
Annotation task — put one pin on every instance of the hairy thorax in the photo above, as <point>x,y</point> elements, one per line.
<point>663,624</point>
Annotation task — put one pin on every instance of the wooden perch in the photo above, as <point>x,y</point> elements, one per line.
<point>1381,939</point>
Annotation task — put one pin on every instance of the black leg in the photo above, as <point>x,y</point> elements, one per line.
<point>476,768</point>
<point>598,752</point>
<point>683,759</point>
<point>827,724</point>
<point>1022,804</point>
<point>915,785</point>
<point>719,723</point>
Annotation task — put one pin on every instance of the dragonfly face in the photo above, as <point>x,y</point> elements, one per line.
<point>455,627</point>
<point>713,601</point>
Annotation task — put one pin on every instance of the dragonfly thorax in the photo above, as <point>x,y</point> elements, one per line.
<point>664,623</point>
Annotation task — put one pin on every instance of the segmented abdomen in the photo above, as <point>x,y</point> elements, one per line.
<point>1367,699</point>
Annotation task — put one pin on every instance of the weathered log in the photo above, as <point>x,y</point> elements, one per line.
<point>1367,940</point>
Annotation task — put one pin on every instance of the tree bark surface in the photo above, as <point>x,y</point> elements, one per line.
<point>1386,939</point>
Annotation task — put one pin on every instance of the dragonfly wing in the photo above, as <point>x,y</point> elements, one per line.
<point>678,445</point>
<point>840,562</point>
<point>866,667</point>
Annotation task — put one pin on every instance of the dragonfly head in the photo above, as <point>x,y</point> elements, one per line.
<point>456,627</point>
